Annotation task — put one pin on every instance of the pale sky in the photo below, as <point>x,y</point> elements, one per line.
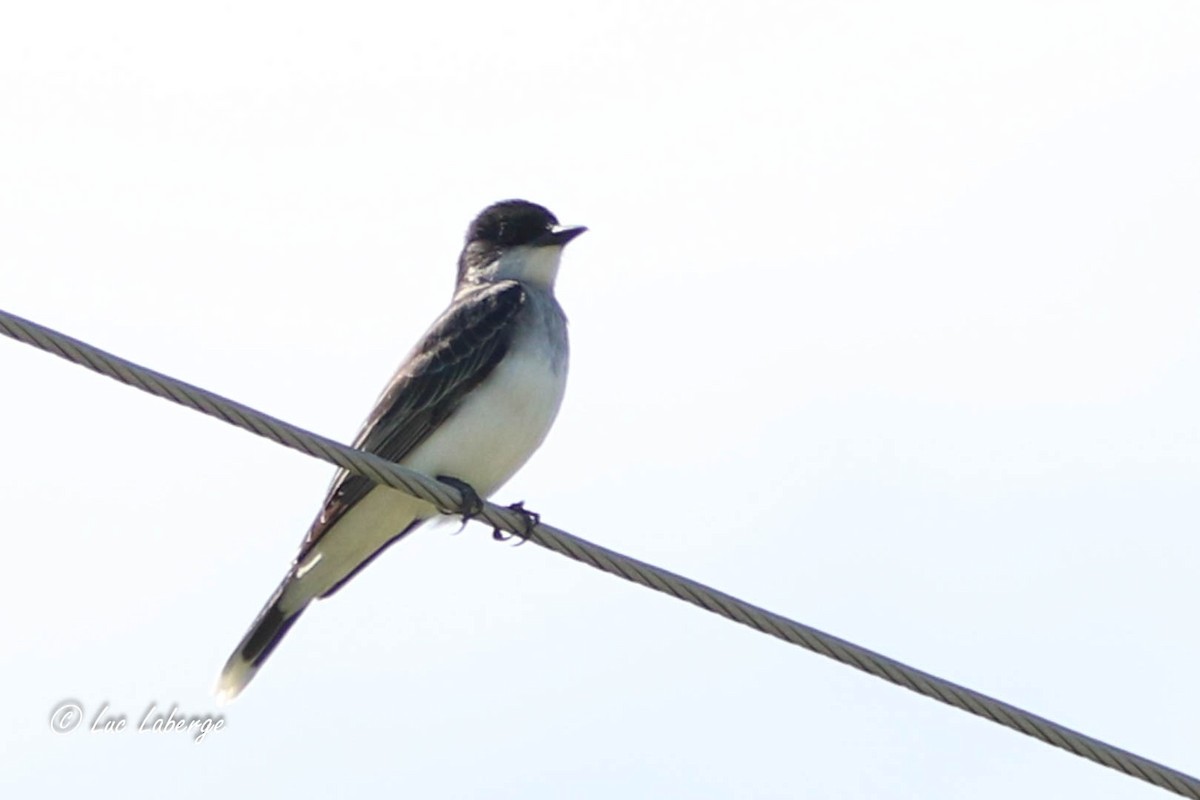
<point>888,320</point>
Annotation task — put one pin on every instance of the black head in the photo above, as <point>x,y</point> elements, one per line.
<point>508,224</point>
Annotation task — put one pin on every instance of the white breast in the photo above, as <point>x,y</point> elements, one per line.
<point>499,426</point>
<point>493,433</point>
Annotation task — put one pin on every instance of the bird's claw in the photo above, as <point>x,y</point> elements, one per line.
<point>471,499</point>
<point>531,519</point>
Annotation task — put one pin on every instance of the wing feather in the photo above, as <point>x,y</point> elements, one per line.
<point>457,353</point>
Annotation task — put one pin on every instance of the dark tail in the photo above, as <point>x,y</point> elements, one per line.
<point>267,631</point>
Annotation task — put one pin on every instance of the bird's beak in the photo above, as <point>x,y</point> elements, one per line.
<point>559,235</point>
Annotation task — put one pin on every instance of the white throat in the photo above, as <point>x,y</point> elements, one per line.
<point>537,266</point>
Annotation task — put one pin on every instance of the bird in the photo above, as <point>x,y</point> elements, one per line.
<point>469,405</point>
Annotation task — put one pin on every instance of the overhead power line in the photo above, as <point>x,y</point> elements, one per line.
<point>450,501</point>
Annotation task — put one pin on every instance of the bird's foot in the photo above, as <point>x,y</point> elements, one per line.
<point>471,499</point>
<point>531,519</point>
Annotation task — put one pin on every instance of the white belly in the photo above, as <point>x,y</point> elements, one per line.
<point>499,426</point>
<point>484,443</point>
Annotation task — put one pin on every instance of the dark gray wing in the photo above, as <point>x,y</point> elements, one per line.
<point>461,349</point>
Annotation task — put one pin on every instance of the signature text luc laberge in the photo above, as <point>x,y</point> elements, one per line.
<point>157,721</point>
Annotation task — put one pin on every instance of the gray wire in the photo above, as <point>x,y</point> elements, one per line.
<point>449,500</point>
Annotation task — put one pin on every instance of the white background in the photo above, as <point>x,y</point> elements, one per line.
<point>888,320</point>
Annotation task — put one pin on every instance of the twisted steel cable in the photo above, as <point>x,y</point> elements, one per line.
<point>450,501</point>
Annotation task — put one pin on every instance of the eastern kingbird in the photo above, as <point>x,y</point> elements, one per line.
<point>469,404</point>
